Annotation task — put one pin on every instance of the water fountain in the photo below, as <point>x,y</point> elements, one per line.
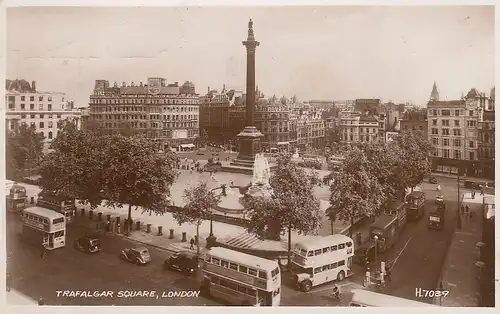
<point>260,186</point>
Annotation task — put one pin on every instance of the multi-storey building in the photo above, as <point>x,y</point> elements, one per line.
<point>357,127</point>
<point>414,120</point>
<point>486,129</point>
<point>368,106</point>
<point>25,104</point>
<point>453,131</point>
<point>159,111</point>
<point>310,128</point>
<point>272,118</point>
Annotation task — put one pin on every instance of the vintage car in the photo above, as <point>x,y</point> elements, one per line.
<point>89,244</point>
<point>139,256</point>
<point>186,262</point>
<point>439,199</point>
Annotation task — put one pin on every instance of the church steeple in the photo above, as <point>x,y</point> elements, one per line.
<point>434,93</point>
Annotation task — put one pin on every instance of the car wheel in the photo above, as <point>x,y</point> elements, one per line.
<point>341,275</point>
<point>306,285</point>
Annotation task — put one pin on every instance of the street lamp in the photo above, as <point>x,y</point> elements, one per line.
<point>376,248</point>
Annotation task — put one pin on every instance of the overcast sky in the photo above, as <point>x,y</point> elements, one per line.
<point>329,53</point>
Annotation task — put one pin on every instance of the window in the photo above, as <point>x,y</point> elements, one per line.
<point>457,154</point>
<point>49,98</point>
<point>445,112</point>
<point>435,141</point>
<point>317,252</point>
<point>262,274</point>
<point>434,112</point>
<point>457,143</point>
<point>445,122</point>
<point>326,267</point>
<point>23,116</point>
<point>446,153</point>
<point>333,266</point>
<point>59,234</point>
<point>471,123</point>
<point>233,266</point>
<point>341,263</point>
<point>32,98</point>
<point>341,246</point>
<point>41,125</point>
<point>310,253</point>
<point>471,144</point>
<point>58,220</point>
<point>58,116</point>
<point>434,131</point>
<point>457,113</point>
<point>224,264</point>
<point>50,135</point>
<point>471,113</point>
<point>318,270</point>
<point>51,124</point>
<point>434,122</point>
<point>32,116</point>
<point>471,156</point>
<point>457,122</point>
<point>41,116</point>
<point>40,107</point>
<point>23,98</point>
<point>215,261</point>
<point>23,106</point>
<point>333,248</point>
<point>446,142</point>
<point>457,132</point>
<point>446,131</point>
<point>243,269</point>
<point>252,272</point>
<point>49,107</point>
<point>40,98</point>
<point>326,249</point>
<point>32,106</point>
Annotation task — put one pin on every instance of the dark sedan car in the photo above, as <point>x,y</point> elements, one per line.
<point>139,256</point>
<point>90,244</point>
<point>186,262</point>
<point>433,180</point>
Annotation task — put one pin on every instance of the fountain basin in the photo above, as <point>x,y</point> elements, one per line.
<point>232,202</point>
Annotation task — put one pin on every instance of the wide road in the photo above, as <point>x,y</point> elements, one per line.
<point>69,269</point>
<point>420,253</point>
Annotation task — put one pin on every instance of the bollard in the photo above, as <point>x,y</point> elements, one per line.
<point>108,226</point>
<point>113,227</point>
<point>118,220</point>
<point>171,236</point>
<point>99,216</point>
<point>184,238</point>
<point>108,217</point>
<point>148,226</point>
<point>160,230</point>
<point>91,214</point>
<point>83,211</point>
<point>138,225</point>
<point>118,228</point>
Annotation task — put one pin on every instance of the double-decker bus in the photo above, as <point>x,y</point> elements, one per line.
<point>415,205</point>
<point>322,259</point>
<point>16,198</point>
<point>365,298</point>
<point>42,226</point>
<point>58,202</point>
<point>241,279</point>
<point>398,209</point>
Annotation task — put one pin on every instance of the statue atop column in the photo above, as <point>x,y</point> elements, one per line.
<point>250,28</point>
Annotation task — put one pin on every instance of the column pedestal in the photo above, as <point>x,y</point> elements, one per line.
<point>249,140</point>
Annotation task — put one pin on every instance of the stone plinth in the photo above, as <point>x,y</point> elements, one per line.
<point>249,146</point>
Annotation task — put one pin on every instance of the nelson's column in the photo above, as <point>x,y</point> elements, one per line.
<point>249,138</point>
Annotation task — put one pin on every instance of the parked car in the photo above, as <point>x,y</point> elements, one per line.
<point>139,256</point>
<point>88,243</point>
<point>186,262</point>
<point>439,199</point>
<point>433,180</point>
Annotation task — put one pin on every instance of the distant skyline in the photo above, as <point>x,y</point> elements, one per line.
<point>317,53</point>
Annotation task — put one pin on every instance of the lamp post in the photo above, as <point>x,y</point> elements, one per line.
<point>376,249</point>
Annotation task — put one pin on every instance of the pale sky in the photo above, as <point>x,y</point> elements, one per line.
<point>322,53</point>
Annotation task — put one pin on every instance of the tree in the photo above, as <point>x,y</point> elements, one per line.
<point>333,138</point>
<point>292,205</point>
<point>136,175</point>
<point>23,150</point>
<point>204,137</point>
<point>200,201</point>
<point>75,166</point>
<point>355,191</point>
<point>414,151</point>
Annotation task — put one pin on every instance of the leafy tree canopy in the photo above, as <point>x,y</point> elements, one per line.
<point>23,150</point>
<point>200,201</point>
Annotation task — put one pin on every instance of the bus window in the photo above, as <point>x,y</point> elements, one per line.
<point>208,259</point>
<point>317,270</point>
<point>348,244</point>
<point>310,253</point>
<point>303,252</point>
<point>233,266</point>
<point>326,249</point>
<point>59,234</point>
<point>341,246</point>
<point>275,272</point>
<point>58,220</point>
<point>215,261</point>
<point>262,274</point>
<point>252,272</point>
<point>333,248</point>
<point>243,269</point>
<point>341,263</point>
<point>224,264</point>
<point>317,252</point>
<point>333,266</point>
<point>326,267</point>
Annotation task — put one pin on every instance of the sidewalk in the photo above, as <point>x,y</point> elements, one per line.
<point>462,178</point>
<point>460,274</point>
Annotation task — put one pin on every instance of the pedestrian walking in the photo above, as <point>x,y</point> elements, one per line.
<point>467,211</point>
<point>482,192</point>
<point>191,244</point>
<point>462,209</point>
<point>470,215</point>
<point>388,274</point>
<point>43,253</point>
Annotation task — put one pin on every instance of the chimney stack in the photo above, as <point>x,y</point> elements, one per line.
<point>33,86</point>
<point>208,89</point>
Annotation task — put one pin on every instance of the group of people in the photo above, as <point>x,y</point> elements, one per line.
<point>467,212</point>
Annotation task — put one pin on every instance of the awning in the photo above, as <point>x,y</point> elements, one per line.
<point>187,145</point>
<point>283,143</point>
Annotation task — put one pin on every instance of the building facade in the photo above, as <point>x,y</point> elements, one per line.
<point>357,127</point>
<point>413,121</point>
<point>157,110</point>
<point>25,104</point>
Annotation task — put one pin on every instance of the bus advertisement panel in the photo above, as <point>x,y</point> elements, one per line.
<point>322,259</point>
<point>241,279</point>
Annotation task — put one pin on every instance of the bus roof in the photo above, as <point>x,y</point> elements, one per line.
<point>242,258</point>
<point>383,300</point>
<point>416,194</point>
<point>45,212</point>
<point>383,221</point>
<point>321,242</point>
<point>489,200</point>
